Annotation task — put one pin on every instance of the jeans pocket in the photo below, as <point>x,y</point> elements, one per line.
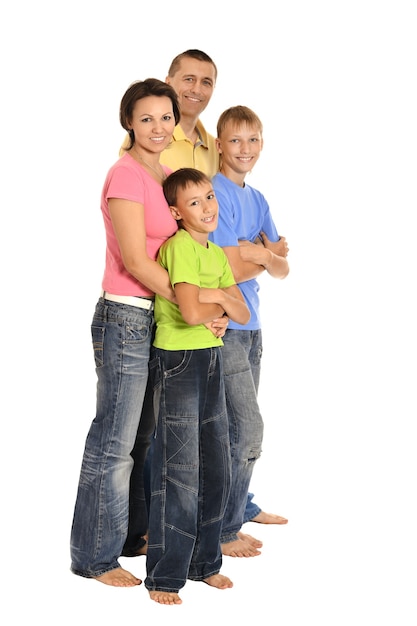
<point>175,362</point>
<point>136,333</point>
<point>97,335</point>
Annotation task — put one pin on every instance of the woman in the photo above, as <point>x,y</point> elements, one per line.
<point>137,221</point>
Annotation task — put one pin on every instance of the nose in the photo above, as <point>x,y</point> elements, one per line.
<point>197,88</point>
<point>206,206</point>
<point>157,126</point>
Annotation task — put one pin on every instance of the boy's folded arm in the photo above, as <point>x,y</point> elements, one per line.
<point>245,260</point>
<point>192,309</point>
<point>234,305</point>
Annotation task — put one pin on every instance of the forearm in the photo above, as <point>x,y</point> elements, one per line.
<point>246,271</point>
<point>201,313</point>
<point>276,266</point>
<point>249,263</point>
<point>236,309</point>
<point>231,300</point>
<point>151,274</point>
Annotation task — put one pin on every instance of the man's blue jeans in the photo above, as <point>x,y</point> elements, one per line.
<point>242,353</point>
<point>190,468</point>
<point>122,337</point>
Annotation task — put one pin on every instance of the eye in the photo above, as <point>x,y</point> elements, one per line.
<point>167,118</point>
<point>208,83</point>
<point>210,196</point>
<point>146,119</point>
<point>254,139</point>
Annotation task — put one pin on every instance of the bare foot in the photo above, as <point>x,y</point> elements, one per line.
<point>119,577</point>
<point>269,518</point>
<point>165,597</point>
<point>219,581</point>
<point>255,543</point>
<point>240,548</point>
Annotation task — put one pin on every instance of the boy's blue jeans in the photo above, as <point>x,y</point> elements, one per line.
<point>122,337</point>
<point>242,353</point>
<point>190,468</point>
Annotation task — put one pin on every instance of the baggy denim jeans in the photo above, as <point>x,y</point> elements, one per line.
<point>190,468</point>
<point>122,337</point>
<point>242,353</point>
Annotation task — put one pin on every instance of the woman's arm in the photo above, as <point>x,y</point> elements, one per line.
<point>129,227</point>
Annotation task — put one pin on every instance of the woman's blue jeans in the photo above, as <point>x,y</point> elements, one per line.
<point>122,337</point>
<point>190,468</point>
<point>242,353</point>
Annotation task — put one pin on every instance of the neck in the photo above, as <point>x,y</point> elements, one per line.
<point>147,157</point>
<point>151,162</point>
<point>238,179</point>
<point>201,238</point>
<point>188,125</point>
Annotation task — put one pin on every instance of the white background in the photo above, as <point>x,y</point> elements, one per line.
<point>335,86</point>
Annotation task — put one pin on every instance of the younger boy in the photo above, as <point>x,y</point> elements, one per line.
<point>190,465</point>
<point>248,236</point>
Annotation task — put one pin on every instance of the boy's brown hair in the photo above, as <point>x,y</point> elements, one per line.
<point>180,179</point>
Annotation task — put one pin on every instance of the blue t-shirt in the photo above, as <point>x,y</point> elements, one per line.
<point>243,214</point>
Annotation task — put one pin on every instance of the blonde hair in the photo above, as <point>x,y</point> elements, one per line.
<point>240,115</point>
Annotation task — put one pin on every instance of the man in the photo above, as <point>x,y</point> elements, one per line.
<point>193,76</point>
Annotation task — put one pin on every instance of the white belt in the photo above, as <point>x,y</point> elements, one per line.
<point>141,303</point>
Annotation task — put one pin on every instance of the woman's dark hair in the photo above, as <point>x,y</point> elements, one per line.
<point>142,89</point>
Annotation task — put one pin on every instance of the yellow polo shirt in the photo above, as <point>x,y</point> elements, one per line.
<point>181,152</point>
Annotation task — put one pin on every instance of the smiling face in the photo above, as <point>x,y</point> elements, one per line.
<point>194,83</point>
<point>153,123</point>
<point>197,208</point>
<point>240,145</point>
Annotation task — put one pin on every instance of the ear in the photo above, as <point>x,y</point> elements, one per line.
<point>175,213</point>
<point>168,80</point>
<point>218,146</point>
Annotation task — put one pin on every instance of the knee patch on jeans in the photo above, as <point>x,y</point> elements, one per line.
<point>254,455</point>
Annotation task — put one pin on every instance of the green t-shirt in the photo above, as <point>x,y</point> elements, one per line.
<point>187,261</point>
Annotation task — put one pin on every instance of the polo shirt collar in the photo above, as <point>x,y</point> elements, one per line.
<point>202,134</point>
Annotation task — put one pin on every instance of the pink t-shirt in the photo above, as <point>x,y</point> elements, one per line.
<point>129,181</point>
